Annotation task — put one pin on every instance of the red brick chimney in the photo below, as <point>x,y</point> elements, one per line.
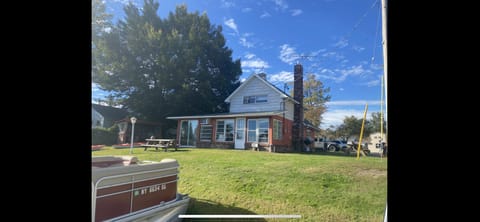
<point>297,128</point>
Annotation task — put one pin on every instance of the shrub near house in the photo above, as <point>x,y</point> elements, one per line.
<point>104,136</point>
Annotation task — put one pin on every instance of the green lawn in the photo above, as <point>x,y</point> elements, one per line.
<point>319,187</point>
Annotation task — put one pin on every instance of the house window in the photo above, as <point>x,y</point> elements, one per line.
<point>203,121</point>
<point>258,130</point>
<point>206,132</point>
<point>277,129</point>
<point>255,99</point>
<point>224,130</point>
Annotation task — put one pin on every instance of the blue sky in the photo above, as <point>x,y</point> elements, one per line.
<point>343,36</point>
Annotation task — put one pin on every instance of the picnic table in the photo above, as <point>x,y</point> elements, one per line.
<point>160,143</point>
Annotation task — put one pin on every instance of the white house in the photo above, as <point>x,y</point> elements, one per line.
<point>260,113</point>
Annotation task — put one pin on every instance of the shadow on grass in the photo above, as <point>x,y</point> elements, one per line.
<point>206,207</point>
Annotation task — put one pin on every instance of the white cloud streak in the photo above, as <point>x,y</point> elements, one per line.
<point>243,41</point>
<point>123,2</point>
<point>227,4</point>
<point>253,64</point>
<point>358,48</point>
<point>282,76</point>
<point>280,4</point>
<point>339,75</point>
<point>265,15</point>
<point>296,12</point>
<point>372,83</point>
<point>231,24</point>
<point>333,55</point>
<point>287,54</point>
<point>342,43</point>
<point>249,55</point>
<point>256,63</point>
<point>335,117</point>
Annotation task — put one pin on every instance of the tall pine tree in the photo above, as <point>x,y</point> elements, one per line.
<point>166,67</point>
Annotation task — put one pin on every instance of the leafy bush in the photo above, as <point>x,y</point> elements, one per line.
<point>104,136</point>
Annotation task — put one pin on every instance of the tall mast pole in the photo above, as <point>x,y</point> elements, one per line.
<point>385,60</point>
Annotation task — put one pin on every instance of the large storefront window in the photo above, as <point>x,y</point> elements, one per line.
<point>258,128</point>
<point>224,130</point>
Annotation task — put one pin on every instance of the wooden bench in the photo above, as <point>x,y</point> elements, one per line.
<point>160,143</point>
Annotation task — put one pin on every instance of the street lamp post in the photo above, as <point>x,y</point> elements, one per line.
<point>133,120</point>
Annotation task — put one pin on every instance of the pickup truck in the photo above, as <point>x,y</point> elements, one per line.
<point>323,145</point>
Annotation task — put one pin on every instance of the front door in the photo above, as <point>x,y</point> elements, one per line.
<point>240,134</point>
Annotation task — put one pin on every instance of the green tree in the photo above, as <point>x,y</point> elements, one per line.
<point>375,122</point>
<point>351,127</point>
<point>163,67</point>
<point>315,99</point>
<point>100,19</point>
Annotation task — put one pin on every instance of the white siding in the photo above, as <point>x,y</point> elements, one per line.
<point>289,109</point>
<point>257,87</point>
<point>97,117</point>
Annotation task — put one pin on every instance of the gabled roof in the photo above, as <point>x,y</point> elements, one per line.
<point>110,112</point>
<point>268,84</point>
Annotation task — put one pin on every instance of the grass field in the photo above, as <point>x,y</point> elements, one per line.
<point>319,187</point>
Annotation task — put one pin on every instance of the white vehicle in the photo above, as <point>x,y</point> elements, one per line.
<point>323,145</point>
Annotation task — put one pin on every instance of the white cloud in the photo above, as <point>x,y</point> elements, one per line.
<point>231,24</point>
<point>342,43</point>
<point>287,54</point>
<point>335,116</point>
<point>123,2</point>
<point>334,55</point>
<point>296,12</point>
<point>358,48</point>
<point>372,83</point>
<point>315,53</point>
<point>376,66</point>
<point>249,55</point>
<point>227,4</point>
<point>246,9</point>
<point>339,75</point>
<point>354,70</point>
<point>265,15</point>
<point>280,4</point>
<point>282,76</point>
<point>243,41</point>
<point>255,63</point>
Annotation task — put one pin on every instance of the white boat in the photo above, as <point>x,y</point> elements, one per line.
<point>125,189</point>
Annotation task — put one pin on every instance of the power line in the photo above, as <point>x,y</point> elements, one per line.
<point>360,20</point>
